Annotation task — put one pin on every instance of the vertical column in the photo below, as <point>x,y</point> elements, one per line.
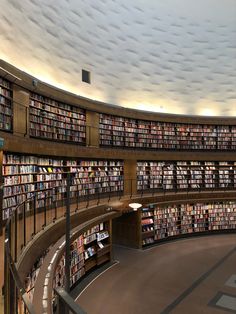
<point>67,236</point>
<point>20,111</point>
<point>92,129</point>
<point>130,177</point>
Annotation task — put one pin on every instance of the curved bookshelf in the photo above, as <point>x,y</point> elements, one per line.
<point>45,177</point>
<point>167,222</point>
<point>118,131</point>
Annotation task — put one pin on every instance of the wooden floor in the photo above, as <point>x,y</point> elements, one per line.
<point>181,277</point>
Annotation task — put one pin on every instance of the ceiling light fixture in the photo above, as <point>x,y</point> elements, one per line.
<point>135,206</point>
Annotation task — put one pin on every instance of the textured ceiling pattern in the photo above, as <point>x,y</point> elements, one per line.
<point>176,56</point>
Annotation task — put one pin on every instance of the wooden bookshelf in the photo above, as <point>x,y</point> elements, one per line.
<point>134,133</point>
<point>6,107</point>
<point>196,179</point>
<point>226,174</point>
<point>185,175</point>
<point>50,181</point>
<point>18,176</point>
<point>111,130</point>
<point>211,175</point>
<point>166,222</point>
<point>53,120</point>
<point>45,177</point>
<point>160,223</point>
<point>147,225</point>
<point>88,251</point>
<point>96,176</point>
<point>182,175</point>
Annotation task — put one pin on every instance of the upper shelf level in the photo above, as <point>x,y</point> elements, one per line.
<point>45,112</point>
<point>134,133</point>
<point>53,120</point>
<point>5,105</point>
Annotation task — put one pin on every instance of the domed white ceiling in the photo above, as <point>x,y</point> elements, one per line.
<point>176,56</point>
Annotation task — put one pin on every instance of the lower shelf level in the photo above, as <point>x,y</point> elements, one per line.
<point>187,235</point>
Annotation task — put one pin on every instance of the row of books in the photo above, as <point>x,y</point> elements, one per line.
<point>25,176</point>
<point>46,101</point>
<point>184,175</point>
<point>4,83</point>
<point>82,250</point>
<point>6,93</point>
<point>172,220</point>
<point>54,120</point>
<point>53,129</point>
<point>150,134</point>
<point>52,113</point>
<point>57,123</point>
<point>57,136</point>
<point>6,108</point>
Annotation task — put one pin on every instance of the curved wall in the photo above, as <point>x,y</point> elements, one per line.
<point>174,56</point>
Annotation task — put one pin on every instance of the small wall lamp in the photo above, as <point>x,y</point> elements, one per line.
<point>135,206</point>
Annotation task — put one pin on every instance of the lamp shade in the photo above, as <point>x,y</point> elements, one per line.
<point>135,206</point>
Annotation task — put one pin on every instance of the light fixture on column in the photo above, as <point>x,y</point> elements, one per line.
<point>135,206</point>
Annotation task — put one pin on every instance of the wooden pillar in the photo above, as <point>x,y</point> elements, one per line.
<point>130,177</point>
<point>92,130</point>
<point>20,111</point>
<point>127,230</point>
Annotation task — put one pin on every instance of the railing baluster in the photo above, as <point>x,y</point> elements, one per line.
<point>34,209</point>
<point>24,224</point>
<point>131,188</point>
<point>16,235</point>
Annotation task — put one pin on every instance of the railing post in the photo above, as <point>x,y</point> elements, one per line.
<point>24,224</point>
<point>117,193</point>
<point>61,307</point>
<point>65,303</point>
<point>45,211</point>
<point>12,294</point>
<point>55,210</point>
<point>109,194</point>
<point>121,192</point>
<point>34,204</point>
<point>98,200</point>
<point>67,233</point>
<point>16,235</point>
<point>87,205</point>
<point>77,198</point>
<point>131,188</point>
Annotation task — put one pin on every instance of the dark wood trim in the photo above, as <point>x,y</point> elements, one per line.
<point>24,145</point>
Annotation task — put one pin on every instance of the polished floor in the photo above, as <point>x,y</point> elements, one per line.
<point>183,277</point>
